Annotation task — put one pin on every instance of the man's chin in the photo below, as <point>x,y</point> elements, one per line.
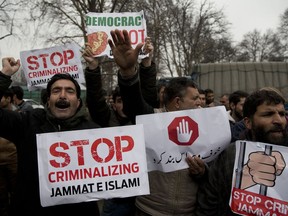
<point>277,138</point>
<point>62,115</point>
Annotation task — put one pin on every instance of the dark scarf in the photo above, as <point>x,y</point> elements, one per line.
<point>70,123</point>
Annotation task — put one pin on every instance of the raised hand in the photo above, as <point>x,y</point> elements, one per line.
<point>125,56</point>
<point>10,66</point>
<point>148,48</point>
<point>88,56</point>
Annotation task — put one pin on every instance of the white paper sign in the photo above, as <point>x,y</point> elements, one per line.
<point>41,64</point>
<point>99,25</point>
<point>260,176</point>
<point>171,136</point>
<point>93,164</point>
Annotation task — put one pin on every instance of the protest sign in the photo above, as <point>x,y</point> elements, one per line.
<point>99,25</point>
<point>259,185</point>
<point>41,64</point>
<point>86,165</point>
<point>170,137</point>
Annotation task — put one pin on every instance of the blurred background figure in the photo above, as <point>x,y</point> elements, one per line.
<point>210,99</point>
<point>202,98</point>
<point>18,94</point>
<point>8,163</point>
<point>224,100</point>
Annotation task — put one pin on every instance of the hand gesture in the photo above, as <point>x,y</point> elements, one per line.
<point>124,55</point>
<point>196,165</point>
<point>10,66</point>
<point>183,133</point>
<point>148,48</point>
<point>88,56</point>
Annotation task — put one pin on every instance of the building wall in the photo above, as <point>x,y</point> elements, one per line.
<point>246,76</point>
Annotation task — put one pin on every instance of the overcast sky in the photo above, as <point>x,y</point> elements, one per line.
<point>244,15</point>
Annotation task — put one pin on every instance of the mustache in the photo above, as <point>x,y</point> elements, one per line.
<point>62,103</point>
<point>276,128</point>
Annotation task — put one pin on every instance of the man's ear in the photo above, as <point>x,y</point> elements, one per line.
<point>232,106</point>
<point>176,102</point>
<point>248,123</point>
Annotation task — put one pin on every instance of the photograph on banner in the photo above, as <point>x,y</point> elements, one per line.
<point>40,65</point>
<point>99,25</point>
<point>260,179</point>
<point>93,164</point>
<point>170,137</point>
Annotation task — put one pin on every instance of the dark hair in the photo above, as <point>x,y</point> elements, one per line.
<point>64,76</point>
<point>18,91</point>
<point>8,93</point>
<point>43,96</point>
<point>177,88</point>
<point>201,91</point>
<point>225,94</point>
<point>207,91</point>
<point>236,96</point>
<point>258,98</point>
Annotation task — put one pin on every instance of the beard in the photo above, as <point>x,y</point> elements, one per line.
<point>238,115</point>
<point>269,137</point>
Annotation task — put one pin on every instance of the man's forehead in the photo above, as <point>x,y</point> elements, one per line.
<point>271,107</point>
<point>63,83</point>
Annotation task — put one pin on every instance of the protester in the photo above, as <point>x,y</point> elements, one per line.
<point>224,100</point>
<point>18,100</point>
<point>109,116</point>
<point>236,102</point>
<point>210,98</point>
<point>264,118</point>
<point>99,111</point>
<point>63,112</point>
<point>202,98</point>
<point>172,193</point>
<point>235,114</point>
<point>8,163</point>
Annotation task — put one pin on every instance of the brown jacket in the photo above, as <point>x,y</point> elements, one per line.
<point>8,152</point>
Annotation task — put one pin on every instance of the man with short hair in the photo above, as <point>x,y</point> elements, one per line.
<point>63,112</point>
<point>224,100</point>
<point>236,102</point>
<point>18,94</point>
<point>172,193</point>
<point>210,98</point>
<point>202,98</point>
<point>264,118</point>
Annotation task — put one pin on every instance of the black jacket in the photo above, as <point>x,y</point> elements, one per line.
<point>21,128</point>
<point>144,84</point>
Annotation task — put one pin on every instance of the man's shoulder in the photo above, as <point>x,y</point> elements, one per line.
<point>25,106</point>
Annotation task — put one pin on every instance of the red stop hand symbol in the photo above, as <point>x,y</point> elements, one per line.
<point>183,131</point>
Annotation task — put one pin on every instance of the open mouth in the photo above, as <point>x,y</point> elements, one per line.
<point>62,104</point>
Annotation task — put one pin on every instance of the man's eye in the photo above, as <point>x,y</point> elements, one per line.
<point>55,91</point>
<point>71,91</point>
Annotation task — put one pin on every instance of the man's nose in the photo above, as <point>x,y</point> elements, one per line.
<point>62,93</point>
<point>277,118</point>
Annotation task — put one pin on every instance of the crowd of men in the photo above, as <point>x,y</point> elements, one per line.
<point>201,189</point>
